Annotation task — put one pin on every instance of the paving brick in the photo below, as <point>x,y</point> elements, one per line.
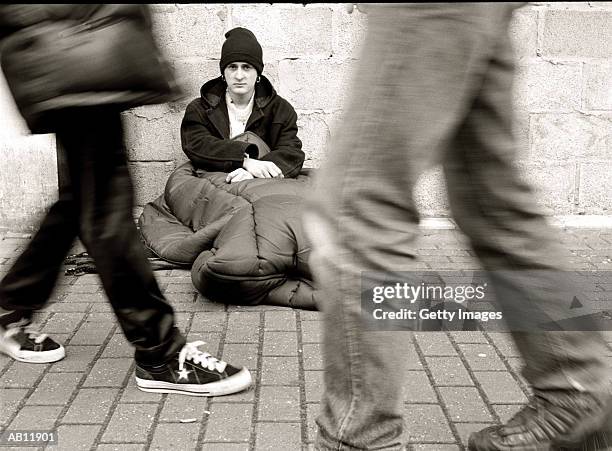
<point>312,411</point>
<point>22,375</point>
<point>130,423</point>
<point>131,394</point>
<point>280,371</point>
<point>225,447</point>
<point>435,344</point>
<point>5,361</point>
<point>275,436</point>
<point>505,344</point>
<point>312,331</point>
<point>120,447</point>
<point>313,357</point>
<point>418,389</point>
<point>468,337</point>
<point>63,322</point>
<point>90,405</point>
<point>78,359</point>
<point>10,398</point>
<point>436,447</point>
<point>108,373</point>
<point>88,279</point>
<point>243,327</point>
<point>93,298</point>
<point>211,342</point>
<point>506,411</point>
<point>36,417</point>
<point>55,388</point>
<point>118,346</point>
<point>482,357</point>
<point>309,315</point>
<point>101,308</point>
<point>177,408</point>
<point>208,305</point>
<point>85,289</point>
<point>280,320</point>
<point>314,383</point>
<point>181,288</point>
<point>76,437</point>
<point>280,343</point>
<point>279,404</point>
<point>182,320</point>
<point>92,333</point>
<point>500,387</point>
<point>241,355</point>
<point>229,422</point>
<point>175,436</point>
<point>464,404</point>
<point>411,358</point>
<point>68,307</point>
<point>427,423</point>
<point>448,371</point>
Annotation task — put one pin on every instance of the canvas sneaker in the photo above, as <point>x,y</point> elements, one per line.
<point>553,420</point>
<point>194,373</point>
<point>23,342</point>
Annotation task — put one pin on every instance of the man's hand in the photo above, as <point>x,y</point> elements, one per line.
<point>238,175</point>
<point>262,169</point>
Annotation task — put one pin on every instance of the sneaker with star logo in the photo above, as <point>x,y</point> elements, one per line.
<point>25,343</point>
<point>194,373</point>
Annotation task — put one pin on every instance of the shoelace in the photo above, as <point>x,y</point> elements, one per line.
<point>32,333</point>
<point>191,352</point>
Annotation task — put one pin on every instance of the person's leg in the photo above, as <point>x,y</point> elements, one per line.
<point>510,236</point>
<point>93,139</point>
<point>419,68</point>
<point>29,283</point>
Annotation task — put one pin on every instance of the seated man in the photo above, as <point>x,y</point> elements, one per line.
<point>242,100</point>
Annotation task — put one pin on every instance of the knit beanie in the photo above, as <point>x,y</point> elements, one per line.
<point>241,45</point>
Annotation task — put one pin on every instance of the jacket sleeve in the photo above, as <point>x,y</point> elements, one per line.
<point>206,150</point>
<point>288,154</point>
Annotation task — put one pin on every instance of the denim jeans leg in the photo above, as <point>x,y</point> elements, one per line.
<point>420,67</point>
<point>509,234</point>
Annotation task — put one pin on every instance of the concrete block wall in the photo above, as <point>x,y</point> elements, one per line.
<point>563,94</point>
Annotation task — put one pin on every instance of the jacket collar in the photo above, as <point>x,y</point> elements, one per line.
<point>212,94</point>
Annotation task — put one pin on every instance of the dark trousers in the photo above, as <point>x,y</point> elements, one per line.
<point>96,207</point>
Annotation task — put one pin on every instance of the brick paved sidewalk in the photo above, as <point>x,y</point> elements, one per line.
<point>458,382</point>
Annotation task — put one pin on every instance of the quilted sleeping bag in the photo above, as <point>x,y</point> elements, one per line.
<point>243,241</point>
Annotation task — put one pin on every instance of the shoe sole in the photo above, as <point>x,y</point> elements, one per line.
<point>233,384</point>
<point>34,356</point>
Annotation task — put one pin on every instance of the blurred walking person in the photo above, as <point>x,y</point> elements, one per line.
<point>72,69</point>
<point>434,85</point>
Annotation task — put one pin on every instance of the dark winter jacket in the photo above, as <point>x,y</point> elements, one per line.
<point>58,56</point>
<point>205,130</point>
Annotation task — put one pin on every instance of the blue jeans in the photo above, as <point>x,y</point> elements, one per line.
<point>433,86</point>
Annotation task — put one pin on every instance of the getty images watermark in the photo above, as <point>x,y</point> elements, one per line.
<point>509,300</point>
